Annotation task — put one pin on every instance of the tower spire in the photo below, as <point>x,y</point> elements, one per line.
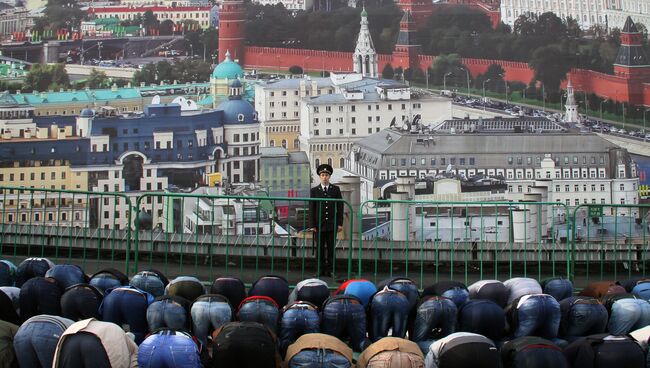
<point>571,114</point>
<point>365,56</point>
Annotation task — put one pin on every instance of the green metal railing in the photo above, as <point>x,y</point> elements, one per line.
<point>249,236</point>
<point>610,241</point>
<point>432,240</point>
<point>66,226</point>
<point>232,235</point>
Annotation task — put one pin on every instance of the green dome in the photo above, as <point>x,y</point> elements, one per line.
<point>363,12</point>
<point>227,69</point>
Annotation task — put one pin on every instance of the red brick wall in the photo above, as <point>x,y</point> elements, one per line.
<point>613,87</point>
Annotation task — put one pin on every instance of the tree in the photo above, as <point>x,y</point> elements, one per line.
<point>96,79</point>
<point>388,72</point>
<point>146,75</point>
<point>150,20</point>
<point>444,64</point>
<point>209,42</point>
<point>295,69</point>
<point>59,14</point>
<point>551,66</point>
<point>44,77</point>
<point>166,28</point>
<point>164,71</point>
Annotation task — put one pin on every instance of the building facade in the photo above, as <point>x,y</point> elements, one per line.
<point>176,14</point>
<point>293,5</point>
<point>162,147</point>
<point>278,103</point>
<point>532,155</point>
<point>331,123</point>
<point>283,173</point>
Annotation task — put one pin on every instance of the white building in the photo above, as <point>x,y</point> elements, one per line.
<point>278,105</point>
<point>358,107</point>
<point>294,5</point>
<point>617,11</point>
<point>176,14</point>
<point>586,12</point>
<point>533,157</point>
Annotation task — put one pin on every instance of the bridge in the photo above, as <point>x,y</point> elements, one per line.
<point>633,145</point>
<point>52,51</point>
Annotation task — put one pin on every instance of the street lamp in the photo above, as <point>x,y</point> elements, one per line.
<point>505,82</point>
<point>601,113</point>
<point>444,80</point>
<point>644,132</point>
<point>467,74</point>
<point>543,97</point>
<point>485,81</point>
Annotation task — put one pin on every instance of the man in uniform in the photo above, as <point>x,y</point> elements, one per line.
<point>325,218</point>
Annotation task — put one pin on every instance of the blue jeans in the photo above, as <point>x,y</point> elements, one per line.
<point>169,349</point>
<point>35,341</point>
<point>642,290</point>
<point>126,306</point>
<point>539,358</point>
<point>628,315</point>
<point>209,312</point>
<point>344,316</point>
<point>259,310</point>
<point>166,313</point>
<point>275,287</point>
<point>457,295</point>
<point>230,287</point>
<point>388,309</point>
<point>319,358</point>
<point>149,282</point>
<point>538,315</point>
<point>404,286</point>
<point>187,287</point>
<point>435,318</point>
<point>105,281</point>
<point>40,296</point>
<point>67,275</point>
<point>493,290</point>
<point>7,273</point>
<point>483,317</point>
<point>32,267</point>
<point>558,288</point>
<point>583,316</point>
<point>297,320</point>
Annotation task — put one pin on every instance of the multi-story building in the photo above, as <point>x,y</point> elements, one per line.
<point>587,13</point>
<point>331,123</point>
<point>293,5</point>
<point>165,146</point>
<point>616,12</point>
<point>176,14</point>
<point>284,174</point>
<point>278,104</point>
<point>14,20</point>
<point>532,155</point>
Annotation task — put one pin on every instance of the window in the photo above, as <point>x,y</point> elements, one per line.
<point>557,188</point>
<point>433,162</point>
<point>316,132</point>
<point>354,131</point>
<point>393,162</point>
<point>471,161</point>
<point>328,131</point>
<point>622,187</point>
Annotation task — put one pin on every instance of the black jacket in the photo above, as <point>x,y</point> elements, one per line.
<point>331,213</point>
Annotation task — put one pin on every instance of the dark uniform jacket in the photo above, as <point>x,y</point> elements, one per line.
<point>325,221</point>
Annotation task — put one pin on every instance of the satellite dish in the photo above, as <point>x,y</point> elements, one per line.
<point>405,127</point>
<point>186,104</point>
<point>155,100</point>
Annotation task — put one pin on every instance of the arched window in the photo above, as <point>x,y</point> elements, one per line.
<point>317,162</point>
<point>329,161</point>
<point>284,143</point>
<point>341,162</point>
<point>296,143</point>
<point>240,117</point>
<point>272,143</point>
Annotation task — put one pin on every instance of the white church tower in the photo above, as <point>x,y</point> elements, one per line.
<point>571,115</point>
<point>365,56</point>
